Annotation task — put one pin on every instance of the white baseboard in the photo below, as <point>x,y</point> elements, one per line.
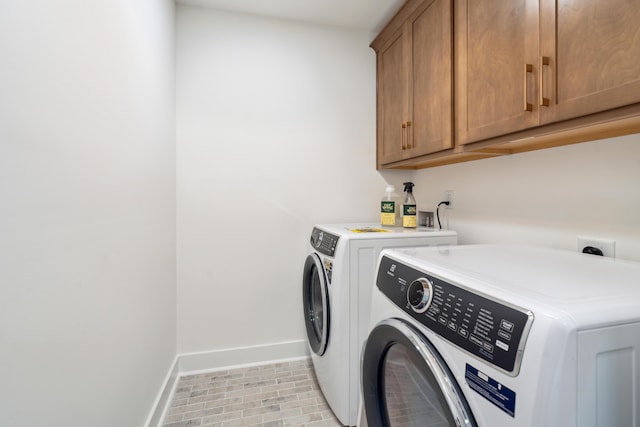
<point>207,361</point>
<point>164,396</point>
<point>192,363</point>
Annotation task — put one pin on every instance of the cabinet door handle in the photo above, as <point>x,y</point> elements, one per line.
<point>409,135</point>
<point>544,61</point>
<point>404,128</point>
<point>528,68</point>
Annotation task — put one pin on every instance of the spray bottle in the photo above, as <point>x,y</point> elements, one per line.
<point>409,209</point>
<point>390,208</point>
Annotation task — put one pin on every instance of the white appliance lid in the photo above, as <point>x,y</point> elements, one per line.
<point>576,284</point>
<point>369,230</point>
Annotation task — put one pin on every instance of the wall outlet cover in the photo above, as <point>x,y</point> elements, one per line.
<point>607,246</point>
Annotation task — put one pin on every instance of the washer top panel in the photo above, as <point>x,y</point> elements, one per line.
<point>370,230</point>
<point>590,290</point>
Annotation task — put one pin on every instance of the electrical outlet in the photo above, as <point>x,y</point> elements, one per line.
<point>607,246</point>
<point>448,196</point>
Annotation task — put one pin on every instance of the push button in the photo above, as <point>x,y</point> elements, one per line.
<point>506,325</point>
<point>477,341</point>
<point>502,345</point>
<point>504,335</point>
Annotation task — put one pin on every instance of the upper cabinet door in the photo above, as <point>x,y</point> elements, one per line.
<point>415,90</point>
<point>392,93</point>
<point>430,79</point>
<point>592,51</point>
<point>496,60</point>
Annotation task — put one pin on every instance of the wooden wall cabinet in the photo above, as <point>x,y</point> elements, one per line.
<point>589,57</point>
<point>415,72</point>
<point>526,75</point>
<point>527,63</point>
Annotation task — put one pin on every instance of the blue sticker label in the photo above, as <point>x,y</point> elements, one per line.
<point>496,393</point>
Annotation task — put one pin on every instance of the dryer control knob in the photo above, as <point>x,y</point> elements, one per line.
<point>419,294</point>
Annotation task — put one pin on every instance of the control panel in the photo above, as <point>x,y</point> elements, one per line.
<point>486,328</point>
<point>323,241</point>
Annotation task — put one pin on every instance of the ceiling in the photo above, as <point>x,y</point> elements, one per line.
<point>370,15</point>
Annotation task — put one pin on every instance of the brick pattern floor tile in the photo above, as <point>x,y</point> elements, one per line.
<point>278,395</point>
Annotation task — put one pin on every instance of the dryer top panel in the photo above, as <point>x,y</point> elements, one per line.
<point>592,290</point>
<point>368,230</point>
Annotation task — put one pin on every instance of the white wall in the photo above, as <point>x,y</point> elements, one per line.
<point>546,197</point>
<point>87,210</point>
<point>275,132</point>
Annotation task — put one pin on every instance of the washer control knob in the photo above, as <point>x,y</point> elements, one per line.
<point>316,239</point>
<point>419,294</point>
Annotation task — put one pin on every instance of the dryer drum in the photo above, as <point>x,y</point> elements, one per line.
<point>405,381</point>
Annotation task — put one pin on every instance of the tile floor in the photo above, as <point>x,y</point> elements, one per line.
<point>281,394</point>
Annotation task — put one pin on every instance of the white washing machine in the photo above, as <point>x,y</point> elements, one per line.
<point>502,336</point>
<point>337,282</point>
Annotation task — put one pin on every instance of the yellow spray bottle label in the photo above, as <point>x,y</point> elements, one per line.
<point>388,212</point>
<point>409,216</point>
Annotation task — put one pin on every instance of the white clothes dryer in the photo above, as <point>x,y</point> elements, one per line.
<point>502,336</point>
<point>338,278</point>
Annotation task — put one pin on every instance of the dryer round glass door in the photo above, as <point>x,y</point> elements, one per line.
<point>315,299</point>
<point>405,381</point>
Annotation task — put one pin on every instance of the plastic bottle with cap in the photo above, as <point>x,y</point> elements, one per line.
<point>390,208</point>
